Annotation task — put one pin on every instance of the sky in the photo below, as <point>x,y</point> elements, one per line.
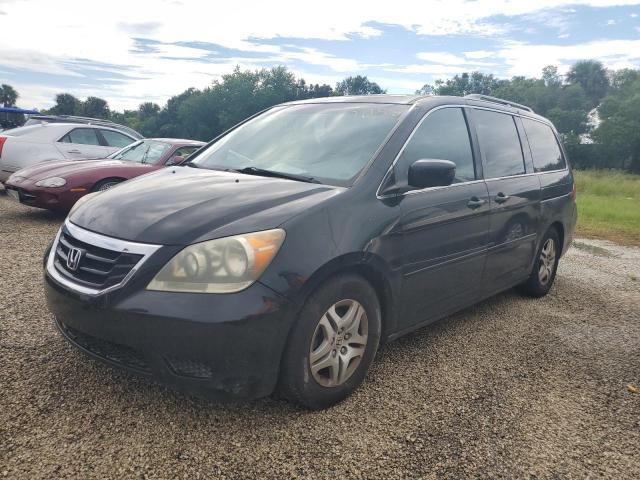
<point>129,52</point>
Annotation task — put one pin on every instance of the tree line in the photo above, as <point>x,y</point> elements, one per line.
<point>596,111</point>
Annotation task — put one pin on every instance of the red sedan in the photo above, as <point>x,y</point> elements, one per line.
<point>58,185</point>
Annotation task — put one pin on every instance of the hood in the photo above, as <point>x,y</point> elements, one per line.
<point>182,205</point>
<point>70,167</point>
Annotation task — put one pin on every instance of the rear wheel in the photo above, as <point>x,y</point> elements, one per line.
<point>333,343</point>
<point>544,268</point>
<point>105,184</point>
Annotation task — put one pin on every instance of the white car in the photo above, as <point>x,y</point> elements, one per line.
<point>25,146</point>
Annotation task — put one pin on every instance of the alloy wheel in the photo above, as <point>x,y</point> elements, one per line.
<point>338,343</point>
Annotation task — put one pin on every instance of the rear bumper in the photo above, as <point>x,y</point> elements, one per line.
<point>224,347</point>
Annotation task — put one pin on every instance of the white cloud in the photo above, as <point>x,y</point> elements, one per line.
<point>441,57</point>
<point>525,59</point>
<point>478,54</point>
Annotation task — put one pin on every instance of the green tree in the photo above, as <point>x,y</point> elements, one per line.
<point>592,77</point>
<point>622,78</point>
<point>619,129</point>
<point>66,104</point>
<point>304,91</point>
<point>358,85</point>
<point>8,95</point>
<point>95,107</point>
<point>551,76</point>
<point>148,110</point>
<point>462,84</point>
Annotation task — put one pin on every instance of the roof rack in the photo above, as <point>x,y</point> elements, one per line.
<point>487,98</point>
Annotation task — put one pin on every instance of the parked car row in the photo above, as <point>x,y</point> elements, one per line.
<point>39,163</point>
<point>59,185</point>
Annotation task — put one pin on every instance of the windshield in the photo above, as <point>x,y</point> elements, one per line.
<point>330,143</point>
<point>146,151</point>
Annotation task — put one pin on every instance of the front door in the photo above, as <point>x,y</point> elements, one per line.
<point>515,200</point>
<point>444,229</point>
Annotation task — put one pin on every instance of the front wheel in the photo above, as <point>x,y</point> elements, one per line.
<point>332,344</point>
<point>106,184</point>
<point>545,267</point>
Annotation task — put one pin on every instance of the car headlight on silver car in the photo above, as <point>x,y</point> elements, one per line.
<point>52,182</point>
<point>223,265</point>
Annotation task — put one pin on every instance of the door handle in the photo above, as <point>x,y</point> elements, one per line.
<point>475,202</point>
<point>501,197</point>
<point>74,151</point>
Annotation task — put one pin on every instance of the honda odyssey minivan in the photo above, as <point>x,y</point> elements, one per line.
<point>290,247</point>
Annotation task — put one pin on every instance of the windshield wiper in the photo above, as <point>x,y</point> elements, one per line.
<point>145,155</point>
<point>272,173</point>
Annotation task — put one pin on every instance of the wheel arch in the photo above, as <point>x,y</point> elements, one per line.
<point>559,227</point>
<point>106,179</point>
<point>374,270</point>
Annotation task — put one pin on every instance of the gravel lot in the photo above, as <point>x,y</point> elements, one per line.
<point>512,387</point>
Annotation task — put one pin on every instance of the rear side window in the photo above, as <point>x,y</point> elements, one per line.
<point>499,144</point>
<point>545,150</point>
<point>83,136</point>
<point>443,135</point>
<point>116,139</point>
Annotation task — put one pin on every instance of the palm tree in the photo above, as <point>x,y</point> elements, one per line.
<point>593,78</point>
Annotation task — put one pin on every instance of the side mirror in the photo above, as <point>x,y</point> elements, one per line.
<point>431,173</point>
<point>175,160</point>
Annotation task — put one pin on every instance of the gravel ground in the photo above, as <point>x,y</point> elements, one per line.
<point>512,387</point>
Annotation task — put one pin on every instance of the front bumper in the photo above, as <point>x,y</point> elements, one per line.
<point>223,347</point>
<point>60,200</point>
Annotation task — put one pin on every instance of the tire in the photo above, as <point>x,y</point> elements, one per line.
<point>544,269</point>
<point>105,184</point>
<point>317,337</point>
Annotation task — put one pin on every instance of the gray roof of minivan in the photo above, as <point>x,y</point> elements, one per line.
<point>414,99</point>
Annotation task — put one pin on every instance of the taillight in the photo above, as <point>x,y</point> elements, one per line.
<point>574,192</point>
<point>2,140</point>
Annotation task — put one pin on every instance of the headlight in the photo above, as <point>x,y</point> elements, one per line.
<point>52,182</point>
<point>223,265</point>
<point>80,201</point>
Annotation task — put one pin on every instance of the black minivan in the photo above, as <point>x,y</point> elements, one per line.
<point>287,249</point>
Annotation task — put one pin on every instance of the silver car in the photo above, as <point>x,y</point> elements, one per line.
<point>43,142</point>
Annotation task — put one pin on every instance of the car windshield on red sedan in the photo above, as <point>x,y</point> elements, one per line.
<point>145,151</point>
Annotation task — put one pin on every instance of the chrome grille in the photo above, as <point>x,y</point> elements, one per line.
<point>97,268</point>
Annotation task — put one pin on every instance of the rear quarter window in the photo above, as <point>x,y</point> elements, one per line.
<point>545,150</point>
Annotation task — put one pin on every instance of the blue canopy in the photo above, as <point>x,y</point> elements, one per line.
<point>17,110</point>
